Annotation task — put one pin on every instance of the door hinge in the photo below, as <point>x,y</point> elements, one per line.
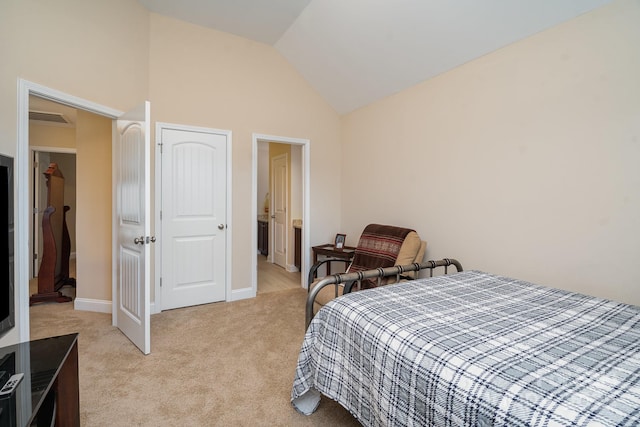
<point>160,145</point>
<point>161,282</point>
<point>160,214</point>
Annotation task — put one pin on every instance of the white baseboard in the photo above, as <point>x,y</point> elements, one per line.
<point>292,268</point>
<point>100,306</point>
<point>244,293</point>
<point>96,305</point>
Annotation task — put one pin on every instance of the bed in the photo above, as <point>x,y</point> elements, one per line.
<point>472,348</point>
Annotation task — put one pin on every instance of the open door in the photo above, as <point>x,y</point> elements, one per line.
<point>280,194</point>
<point>131,293</point>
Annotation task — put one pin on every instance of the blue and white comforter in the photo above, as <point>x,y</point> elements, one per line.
<point>473,349</point>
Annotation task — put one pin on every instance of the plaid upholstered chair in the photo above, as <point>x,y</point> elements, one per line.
<point>379,246</point>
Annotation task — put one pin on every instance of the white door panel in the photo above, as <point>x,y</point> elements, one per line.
<point>193,217</point>
<point>280,172</point>
<point>132,296</point>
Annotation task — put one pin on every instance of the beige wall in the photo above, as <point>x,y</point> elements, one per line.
<point>94,50</point>
<point>523,162</point>
<point>52,136</point>
<point>94,199</point>
<point>206,78</point>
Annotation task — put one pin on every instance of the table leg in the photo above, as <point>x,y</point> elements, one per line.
<point>67,394</point>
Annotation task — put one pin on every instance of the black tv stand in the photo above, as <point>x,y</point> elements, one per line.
<point>48,394</point>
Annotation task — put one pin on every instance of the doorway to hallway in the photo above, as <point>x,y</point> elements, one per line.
<point>289,243</point>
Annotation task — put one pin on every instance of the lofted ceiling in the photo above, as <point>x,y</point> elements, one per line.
<point>354,52</point>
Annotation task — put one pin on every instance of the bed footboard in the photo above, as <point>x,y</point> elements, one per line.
<point>347,280</point>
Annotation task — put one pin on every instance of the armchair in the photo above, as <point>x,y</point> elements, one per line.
<point>379,246</point>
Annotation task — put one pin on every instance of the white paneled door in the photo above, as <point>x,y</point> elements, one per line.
<point>194,186</point>
<point>132,160</point>
<point>280,191</point>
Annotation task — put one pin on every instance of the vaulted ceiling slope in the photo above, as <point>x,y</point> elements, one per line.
<point>355,52</point>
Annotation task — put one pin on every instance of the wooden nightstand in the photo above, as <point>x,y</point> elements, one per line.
<point>330,251</point>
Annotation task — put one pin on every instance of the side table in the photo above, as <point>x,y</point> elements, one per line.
<point>49,391</point>
<point>330,251</point>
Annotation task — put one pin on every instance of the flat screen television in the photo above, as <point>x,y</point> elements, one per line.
<point>7,277</point>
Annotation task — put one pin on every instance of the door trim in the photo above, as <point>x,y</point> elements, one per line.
<point>160,126</point>
<point>306,197</point>
<point>26,88</point>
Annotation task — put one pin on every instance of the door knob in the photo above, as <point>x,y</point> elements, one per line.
<point>220,226</point>
<point>139,240</point>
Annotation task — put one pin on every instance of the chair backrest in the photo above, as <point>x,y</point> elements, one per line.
<point>383,246</point>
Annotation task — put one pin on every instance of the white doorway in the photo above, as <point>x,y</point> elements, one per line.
<point>302,148</point>
<point>23,247</point>
<point>192,181</point>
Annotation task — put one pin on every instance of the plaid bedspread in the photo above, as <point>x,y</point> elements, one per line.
<point>474,349</point>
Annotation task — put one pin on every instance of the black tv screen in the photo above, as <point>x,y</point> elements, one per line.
<point>7,313</point>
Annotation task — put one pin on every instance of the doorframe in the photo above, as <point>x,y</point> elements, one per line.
<point>306,197</point>
<point>160,126</point>
<point>23,169</point>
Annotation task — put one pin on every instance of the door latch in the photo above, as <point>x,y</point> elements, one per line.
<point>142,240</point>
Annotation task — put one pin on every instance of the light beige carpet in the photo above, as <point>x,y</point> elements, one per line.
<point>223,364</point>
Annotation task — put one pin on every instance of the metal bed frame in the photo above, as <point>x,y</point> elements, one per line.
<point>348,280</point>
